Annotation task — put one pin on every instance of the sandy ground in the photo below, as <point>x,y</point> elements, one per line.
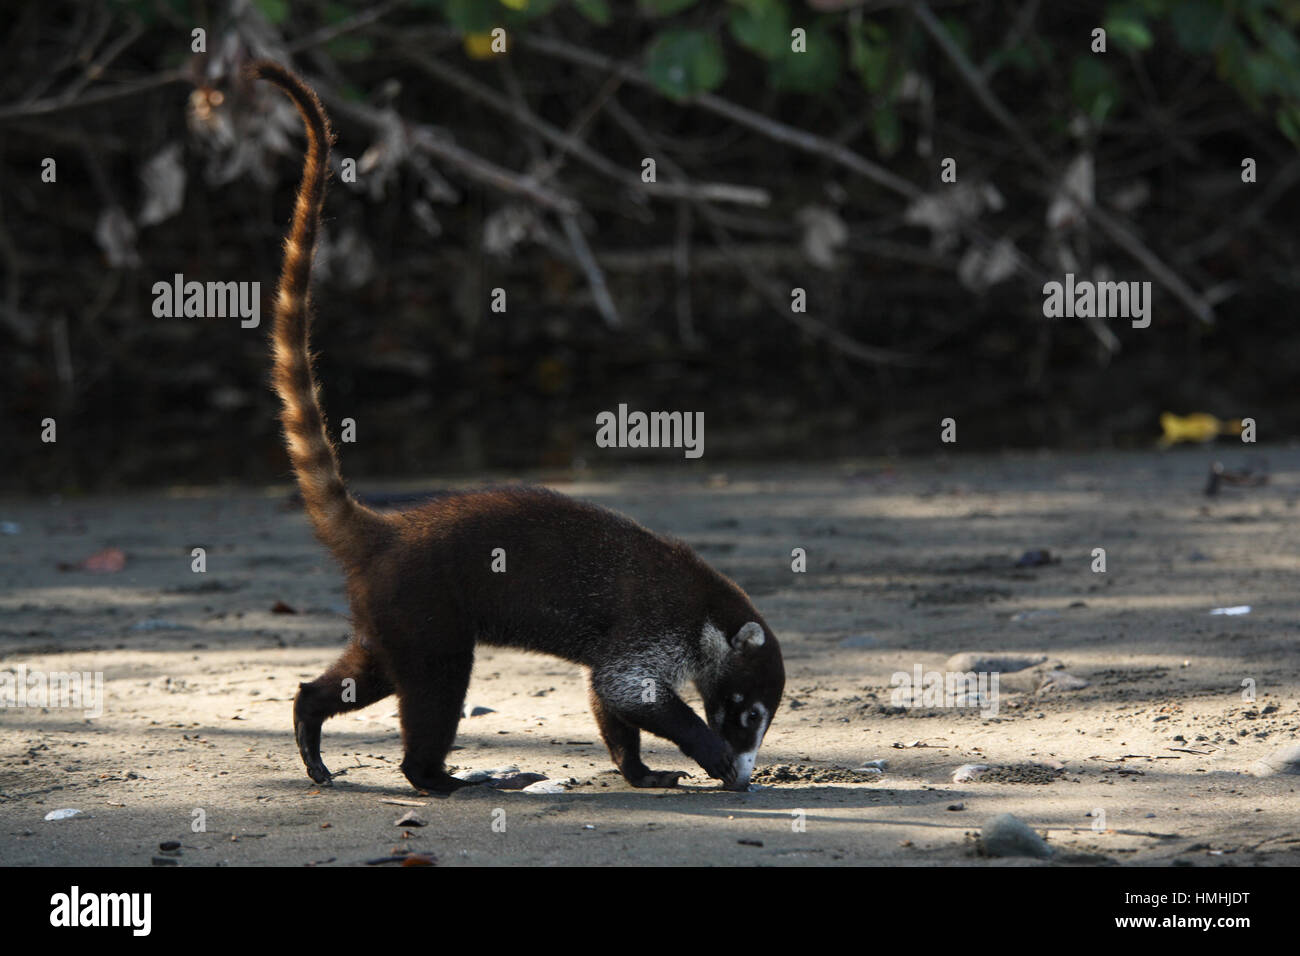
<point>909,562</point>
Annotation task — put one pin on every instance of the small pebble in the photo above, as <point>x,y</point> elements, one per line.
<point>1006,835</point>
<point>1283,761</point>
<point>969,772</point>
<point>545,786</point>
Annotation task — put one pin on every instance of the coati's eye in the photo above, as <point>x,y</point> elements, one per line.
<point>754,715</point>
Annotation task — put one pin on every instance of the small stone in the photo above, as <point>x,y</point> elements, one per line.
<point>1035,558</point>
<point>860,641</point>
<point>969,772</point>
<point>165,861</point>
<point>62,814</point>
<point>168,846</point>
<point>1007,835</point>
<point>1061,680</point>
<point>410,819</point>
<point>515,781</point>
<point>545,786</point>
<point>473,776</point>
<point>984,662</point>
<point>478,710</point>
<point>1283,761</point>
<point>956,806</point>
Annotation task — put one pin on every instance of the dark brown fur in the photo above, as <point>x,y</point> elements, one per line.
<point>581,582</point>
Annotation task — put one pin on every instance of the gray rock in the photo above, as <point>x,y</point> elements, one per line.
<point>984,662</point>
<point>477,710</point>
<point>546,786</point>
<point>410,819</point>
<point>1006,835</point>
<point>860,640</point>
<point>1061,680</point>
<point>473,776</point>
<point>1284,760</point>
<point>515,781</point>
<point>968,772</point>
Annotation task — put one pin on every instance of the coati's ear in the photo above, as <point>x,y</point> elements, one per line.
<point>751,635</point>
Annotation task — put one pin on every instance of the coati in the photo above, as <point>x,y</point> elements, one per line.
<point>642,612</point>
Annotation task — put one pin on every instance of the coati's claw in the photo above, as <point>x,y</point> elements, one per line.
<point>658,778</point>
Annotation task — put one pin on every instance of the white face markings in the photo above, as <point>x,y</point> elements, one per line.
<point>745,762</point>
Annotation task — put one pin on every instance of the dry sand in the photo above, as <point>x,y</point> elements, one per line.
<point>909,562</point>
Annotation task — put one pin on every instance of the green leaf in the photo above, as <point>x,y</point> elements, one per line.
<point>762,26</point>
<point>1288,121</point>
<point>1262,74</point>
<point>474,16</point>
<point>814,71</point>
<point>870,53</point>
<point>664,8</point>
<point>887,130</point>
<point>533,10</point>
<point>597,11</point>
<point>1195,24</point>
<point>1093,86</point>
<point>1128,33</point>
<point>682,63</point>
<point>275,11</point>
<point>351,48</point>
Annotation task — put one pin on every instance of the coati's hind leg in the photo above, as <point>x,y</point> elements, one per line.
<point>432,693</point>
<point>331,694</point>
<point>624,743</point>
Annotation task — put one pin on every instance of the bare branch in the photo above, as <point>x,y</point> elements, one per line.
<point>1121,235</point>
<point>429,140</point>
<point>800,139</point>
<point>576,147</point>
<point>56,104</point>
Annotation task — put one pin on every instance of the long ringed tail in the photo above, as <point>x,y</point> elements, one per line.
<point>344,525</point>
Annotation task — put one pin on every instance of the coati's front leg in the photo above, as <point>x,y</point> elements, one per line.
<point>624,743</point>
<point>432,692</point>
<point>623,709</point>
<point>330,694</point>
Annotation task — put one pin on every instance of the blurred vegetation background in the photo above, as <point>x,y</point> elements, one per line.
<point>776,168</point>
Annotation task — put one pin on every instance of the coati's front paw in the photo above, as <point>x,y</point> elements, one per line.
<point>722,765</point>
<point>438,781</point>
<point>320,774</point>
<point>655,778</point>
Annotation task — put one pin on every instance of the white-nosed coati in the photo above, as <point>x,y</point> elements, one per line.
<point>642,612</point>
